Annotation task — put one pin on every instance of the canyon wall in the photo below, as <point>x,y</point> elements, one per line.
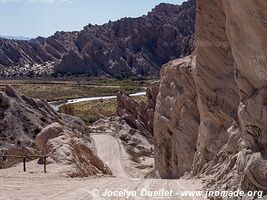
<point>230,79</point>
<point>176,119</point>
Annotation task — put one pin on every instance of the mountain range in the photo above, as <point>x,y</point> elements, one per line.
<point>15,37</point>
<point>126,47</point>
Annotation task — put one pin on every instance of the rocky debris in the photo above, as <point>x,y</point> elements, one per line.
<point>129,46</point>
<point>230,81</point>
<point>23,118</point>
<point>176,119</point>
<point>139,148</point>
<point>139,116</point>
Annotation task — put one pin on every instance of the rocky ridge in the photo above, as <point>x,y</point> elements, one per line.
<point>39,50</point>
<point>176,119</point>
<point>129,46</point>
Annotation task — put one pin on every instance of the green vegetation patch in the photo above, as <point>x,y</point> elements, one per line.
<point>61,90</point>
<point>91,111</point>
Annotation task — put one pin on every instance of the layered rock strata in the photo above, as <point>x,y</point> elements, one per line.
<point>230,87</point>
<point>126,47</point>
<point>176,119</point>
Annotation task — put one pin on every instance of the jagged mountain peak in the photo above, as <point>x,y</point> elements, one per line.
<point>127,47</point>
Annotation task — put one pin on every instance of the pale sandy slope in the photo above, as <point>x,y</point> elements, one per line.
<point>34,184</point>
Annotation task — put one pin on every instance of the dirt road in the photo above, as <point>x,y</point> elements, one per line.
<point>34,184</point>
<point>112,153</point>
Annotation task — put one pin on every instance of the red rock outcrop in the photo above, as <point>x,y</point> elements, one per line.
<point>136,46</point>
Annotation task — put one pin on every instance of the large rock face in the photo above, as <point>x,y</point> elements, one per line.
<point>176,119</point>
<point>29,126</point>
<point>230,81</point>
<point>216,87</point>
<point>130,46</point>
<point>232,92</point>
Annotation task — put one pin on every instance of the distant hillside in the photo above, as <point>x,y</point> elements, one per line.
<point>127,47</point>
<point>16,37</point>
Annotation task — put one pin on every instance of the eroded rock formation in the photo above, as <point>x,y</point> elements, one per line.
<point>129,46</point>
<point>31,126</point>
<point>230,79</point>
<point>68,149</point>
<point>235,124</point>
<point>135,46</point>
<point>176,119</point>
<point>39,50</point>
<point>139,116</point>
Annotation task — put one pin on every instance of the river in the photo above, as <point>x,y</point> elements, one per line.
<point>57,105</point>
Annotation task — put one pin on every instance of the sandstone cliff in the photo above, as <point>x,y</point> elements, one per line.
<point>176,119</point>
<point>232,102</point>
<point>32,127</point>
<point>129,46</point>
<point>228,88</point>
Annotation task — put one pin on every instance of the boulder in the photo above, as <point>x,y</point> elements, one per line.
<point>70,149</point>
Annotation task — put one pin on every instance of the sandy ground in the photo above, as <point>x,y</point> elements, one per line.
<point>35,184</point>
<point>112,153</point>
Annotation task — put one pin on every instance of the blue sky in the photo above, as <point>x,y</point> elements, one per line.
<point>34,18</point>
